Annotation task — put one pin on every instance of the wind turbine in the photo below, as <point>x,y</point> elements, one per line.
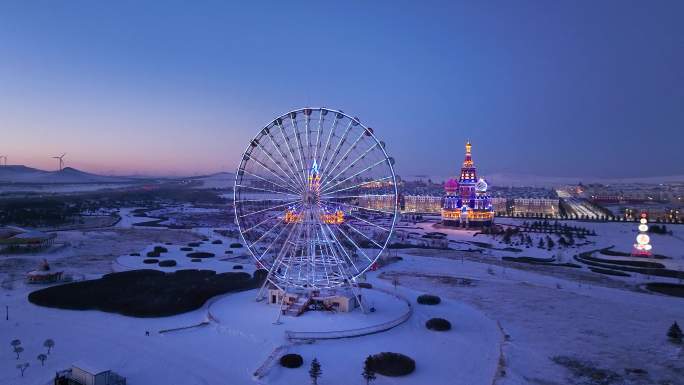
<point>61,160</point>
<point>1,157</point>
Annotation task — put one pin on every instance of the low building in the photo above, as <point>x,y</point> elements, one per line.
<point>537,207</point>
<point>382,202</point>
<point>500,206</point>
<point>424,204</point>
<point>43,274</point>
<point>18,239</point>
<point>82,373</point>
<point>297,302</point>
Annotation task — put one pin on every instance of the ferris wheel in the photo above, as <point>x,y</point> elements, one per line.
<point>315,199</point>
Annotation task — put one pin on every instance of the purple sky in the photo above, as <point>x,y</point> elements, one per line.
<point>548,87</point>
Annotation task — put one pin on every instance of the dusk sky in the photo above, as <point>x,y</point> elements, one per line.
<point>567,88</point>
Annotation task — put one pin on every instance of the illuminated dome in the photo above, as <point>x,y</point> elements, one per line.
<point>451,186</point>
<point>481,185</point>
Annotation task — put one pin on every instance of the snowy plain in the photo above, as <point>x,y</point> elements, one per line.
<point>511,324</point>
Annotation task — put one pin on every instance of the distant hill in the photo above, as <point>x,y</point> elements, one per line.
<point>218,180</point>
<point>69,175</point>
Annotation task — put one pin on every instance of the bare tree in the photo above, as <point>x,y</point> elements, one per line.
<point>18,350</point>
<point>42,357</point>
<point>22,367</point>
<point>49,344</point>
<point>15,343</point>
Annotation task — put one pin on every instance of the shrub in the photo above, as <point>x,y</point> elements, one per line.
<point>391,364</point>
<point>150,260</point>
<point>194,244</point>
<point>196,260</point>
<point>291,361</point>
<point>229,251</point>
<point>675,333</point>
<point>160,249</point>
<point>237,267</point>
<point>667,288</point>
<point>428,299</point>
<point>200,254</point>
<point>168,243</point>
<point>205,239</point>
<point>365,285</point>
<point>135,254</point>
<point>235,245</point>
<point>186,249</point>
<point>438,324</point>
<point>153,254</point>
<point>217,242</point>
<point>167,263</point>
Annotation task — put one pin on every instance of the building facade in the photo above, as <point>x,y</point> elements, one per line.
<point>424,204</point>
<point>545,207</point>
<point>466,202</point>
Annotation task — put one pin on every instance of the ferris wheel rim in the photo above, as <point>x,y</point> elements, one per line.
<point>386,159</point>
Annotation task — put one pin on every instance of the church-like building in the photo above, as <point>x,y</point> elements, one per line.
<point>466,202</point>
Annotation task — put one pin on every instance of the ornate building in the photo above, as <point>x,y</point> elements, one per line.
<point>466,203</point>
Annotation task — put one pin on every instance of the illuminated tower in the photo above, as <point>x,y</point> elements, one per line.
<point>314,179</point>
<point>466,202</point>
<point>642,247</point>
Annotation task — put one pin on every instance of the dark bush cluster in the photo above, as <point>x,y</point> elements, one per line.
<point>237,267</point>
<point>167,263</point>
<point>153,254</point>
<point>217,242</point>
<point>168,243</point>
<point>150,260</point>
<point>291,360</point>
<point>365,285</point>
<point>428,299</point>
<point>205,239</point>
<point>235,245</point>
<point>673,289</point>
<point>200,254</point>
<point>391,364</point>
<point>186,249</point>
<point>196,260</point>
<point>160,249</point>
<point>438,324</point>
<point>145,293</point>
<point>229,251</point>
<point>135,254</point>
<point>194,244</point>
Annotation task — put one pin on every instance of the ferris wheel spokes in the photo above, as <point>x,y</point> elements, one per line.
<point>290,181</point>
<point>343,158</point>
<point>289,148</point>
<point>293,174</point>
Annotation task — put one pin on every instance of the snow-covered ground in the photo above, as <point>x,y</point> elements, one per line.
<point>234,348</point>
<point>544,321</point>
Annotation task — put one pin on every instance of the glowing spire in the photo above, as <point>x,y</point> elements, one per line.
<point>314,168</point>
<point>468,162</point>
<point>314,178</point>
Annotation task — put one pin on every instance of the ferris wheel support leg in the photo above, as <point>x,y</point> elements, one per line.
<point>357,295</point>
<point>280,309</point>
<point>260,296</point>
